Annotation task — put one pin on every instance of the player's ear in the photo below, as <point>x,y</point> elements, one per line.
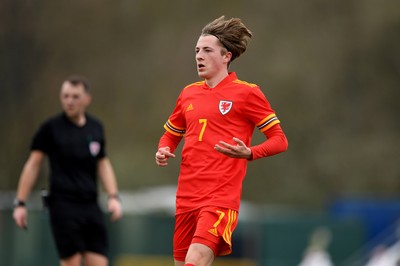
<point>227,57</point>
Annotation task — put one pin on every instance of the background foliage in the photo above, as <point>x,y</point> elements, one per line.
<point>331,70</point>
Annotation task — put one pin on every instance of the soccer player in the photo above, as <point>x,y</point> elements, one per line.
<point>74,142</point>
<point>217,117</point>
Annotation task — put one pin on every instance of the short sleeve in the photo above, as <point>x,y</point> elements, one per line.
<point>42,139</point>
<point>176,124</point>
<point>259,110</point>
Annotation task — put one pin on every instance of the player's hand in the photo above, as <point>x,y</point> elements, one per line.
<point>240,150</point>
<point>162,156</point>
<point>115,208</point>
<point>20,216</point>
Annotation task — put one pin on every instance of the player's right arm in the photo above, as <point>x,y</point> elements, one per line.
<point>162,156</point>
<point>166,146</point>
<point>27,179</point>
<point>174,132</point>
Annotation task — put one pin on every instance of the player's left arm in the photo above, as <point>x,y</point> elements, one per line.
<point>262,114</point>
<point>275,143</point>
<point>240,150</point>
<point>109,181</point>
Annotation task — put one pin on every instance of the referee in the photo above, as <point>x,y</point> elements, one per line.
<point>74,143</point>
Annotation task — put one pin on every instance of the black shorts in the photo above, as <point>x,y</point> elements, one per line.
<point>77,228</point>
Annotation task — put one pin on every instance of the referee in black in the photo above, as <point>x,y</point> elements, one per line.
<point>74,143</point>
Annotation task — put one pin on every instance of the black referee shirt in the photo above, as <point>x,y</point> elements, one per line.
<point>73,153</point>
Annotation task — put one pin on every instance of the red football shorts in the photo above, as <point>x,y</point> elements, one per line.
<point>210,226</point>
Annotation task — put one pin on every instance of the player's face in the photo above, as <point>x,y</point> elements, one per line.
<point>209,57</point>
<point>74,99</point>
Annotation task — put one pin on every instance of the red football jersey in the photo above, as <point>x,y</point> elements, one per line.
<point>204,116</point>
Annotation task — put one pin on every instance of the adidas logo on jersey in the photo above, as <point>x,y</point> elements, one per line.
<point>189,108</point>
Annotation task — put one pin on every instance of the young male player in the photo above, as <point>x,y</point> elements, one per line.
<point>216,117</point>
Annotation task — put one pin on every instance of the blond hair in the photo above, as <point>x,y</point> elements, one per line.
<point>232,34</point>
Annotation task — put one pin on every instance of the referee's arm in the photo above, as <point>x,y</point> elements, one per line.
<point>107,177</point>
<point>27,179</point>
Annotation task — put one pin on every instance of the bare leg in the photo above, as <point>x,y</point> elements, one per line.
<point>94,259</point>
<point>74,260</point>
<point>199,255</point>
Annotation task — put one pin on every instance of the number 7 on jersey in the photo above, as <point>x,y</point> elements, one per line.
<point>203,128</point>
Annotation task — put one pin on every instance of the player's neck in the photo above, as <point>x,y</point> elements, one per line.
<point>214,81</point>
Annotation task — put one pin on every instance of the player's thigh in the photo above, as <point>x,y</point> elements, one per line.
<point>214,229</point>
<point>185,226</point>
